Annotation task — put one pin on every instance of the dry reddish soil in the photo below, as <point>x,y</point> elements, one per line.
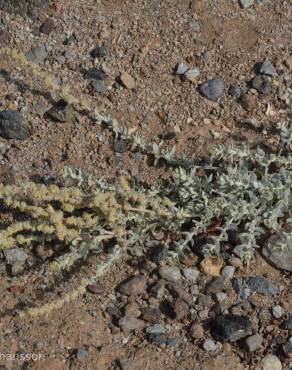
<point>146,39</point>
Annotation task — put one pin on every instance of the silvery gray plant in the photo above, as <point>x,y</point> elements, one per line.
<point>247,191</point>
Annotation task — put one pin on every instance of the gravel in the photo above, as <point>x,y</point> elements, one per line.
<point>221,297</point>
<point>213,89</point>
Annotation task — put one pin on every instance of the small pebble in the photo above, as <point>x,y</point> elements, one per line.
<point>262,84</point>
<point>191,274</point>
<point>221,297</point>
<point>133,286</point>
<point>216,285</point>
<point>213,89</point>
<point>95,288</point>
<point>99,52</point>
<point>95,74</point>
<point>271,362</point>
<point>158,253</point>
<point>47,27</point>
<point>15,255</point>
<point>230,328</point>
<point>254,342</point>
<point>278,311</point>
<point>209,345</point>
<point>249,102</point>
<point>81,353</point>
<point>171,273</point>
<point>156,329</point>
<point>268,69</point>
<point>234,91</point>
<point>288,62</point>
<point>197,331</point>
<point>98,86</point>
<point>287,324</point>
<point>181,69</point>
<point>129,323</point>
<point>127,80</point>
<point>245,4</point>
<point>120,146</point>
<point>287,348</point>
<point>228,272</point>
<point>192,74</point>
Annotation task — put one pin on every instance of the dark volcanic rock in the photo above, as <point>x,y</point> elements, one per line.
<point>261,285</point>
<point>95,74</point>
<point>120,146</point>
<point>98,86</point>
<point>262,84</point>
<point>47,27</point>
<point>213,89</point>
<point>13,125</point>
<point>99,52</point>
<point>230,328</point>
<point>158,253</point>
<point>216,285</point>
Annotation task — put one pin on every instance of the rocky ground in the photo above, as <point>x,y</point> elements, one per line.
<point>194,73</point>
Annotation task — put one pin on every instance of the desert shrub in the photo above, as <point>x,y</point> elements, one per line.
<point>237,193</point>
